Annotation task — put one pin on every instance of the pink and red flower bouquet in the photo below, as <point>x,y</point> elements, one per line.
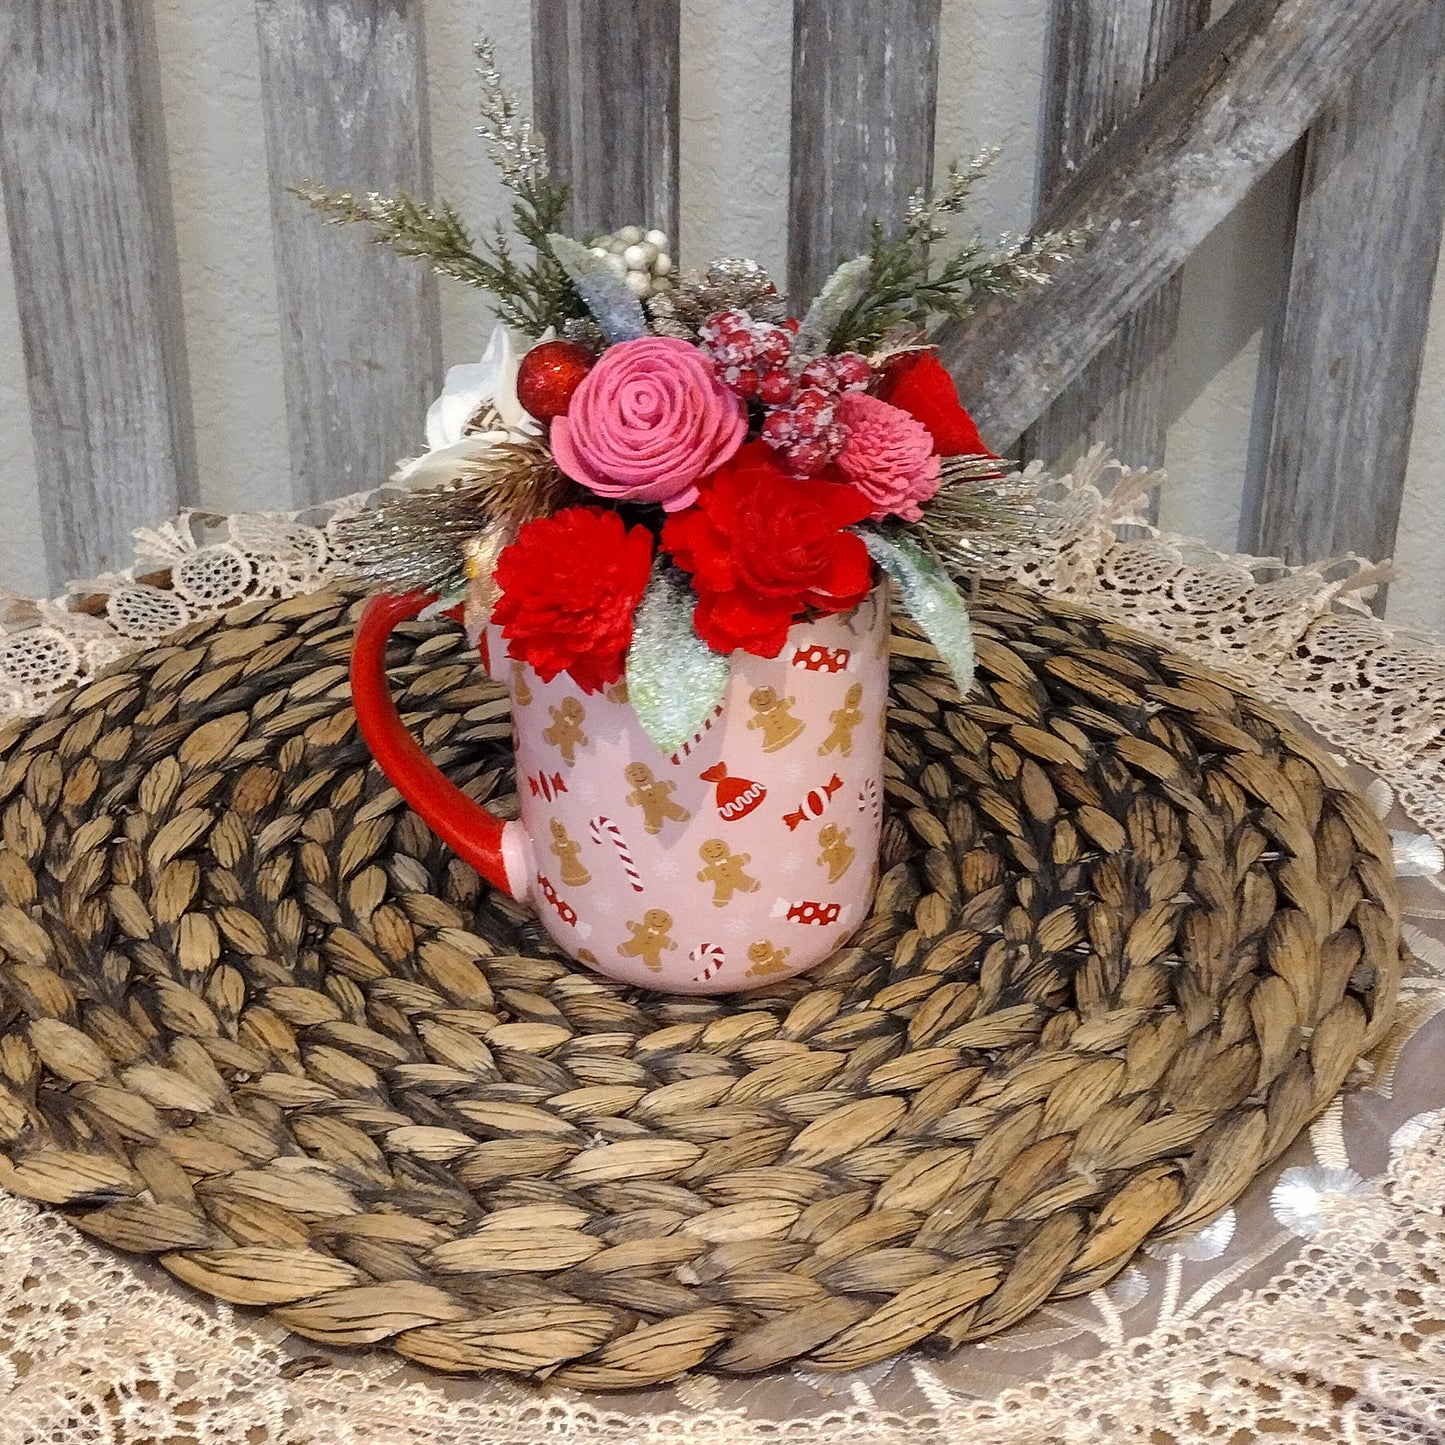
<point>638,443</point>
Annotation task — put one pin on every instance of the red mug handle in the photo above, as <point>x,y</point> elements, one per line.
<point>496,849</point>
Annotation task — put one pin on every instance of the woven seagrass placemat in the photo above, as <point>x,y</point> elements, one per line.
<point>1131,933</point>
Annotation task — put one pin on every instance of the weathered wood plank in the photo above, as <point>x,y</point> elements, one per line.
<point>605,95</point>
<point>1368,237</point>
<point>1106,54</point>
<point>1238,98</point>
<point>865,92</point>
<point>344,96</point>
<point>87,199</point>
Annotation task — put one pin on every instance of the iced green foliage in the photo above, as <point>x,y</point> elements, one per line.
<point>930,597</point>
<point>673,678</point>
<point>617,312</point>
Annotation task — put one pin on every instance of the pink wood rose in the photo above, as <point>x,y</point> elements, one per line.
<point>888,456</point>
<point>647,421</point>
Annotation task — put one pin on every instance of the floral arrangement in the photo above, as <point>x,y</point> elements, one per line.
<point>650,470</point>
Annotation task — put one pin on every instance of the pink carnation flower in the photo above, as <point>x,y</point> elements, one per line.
<point>888,456</point>
<point>647,421</point>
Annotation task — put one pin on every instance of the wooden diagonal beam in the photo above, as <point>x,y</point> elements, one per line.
<point>1241,95</point>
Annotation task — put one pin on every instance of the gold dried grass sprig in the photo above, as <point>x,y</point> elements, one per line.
<point>980,510</point>
<point>432,540</point>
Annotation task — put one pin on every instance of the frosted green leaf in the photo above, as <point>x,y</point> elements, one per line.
<point>930,597</point>
<point>674,679</point>
<point>614,308</point>
<point>839,292</point>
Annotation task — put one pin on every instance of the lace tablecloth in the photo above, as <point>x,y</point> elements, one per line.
<point>1313,1309</point>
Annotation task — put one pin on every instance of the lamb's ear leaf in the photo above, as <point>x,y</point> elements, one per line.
<point>675,681</point>
<point>617,312</point>
<point>839,292</point>
<point>930,596</point>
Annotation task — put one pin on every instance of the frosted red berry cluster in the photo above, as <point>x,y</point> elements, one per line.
<point>755,360</point>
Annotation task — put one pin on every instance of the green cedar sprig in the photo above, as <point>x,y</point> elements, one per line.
<point>531,296</point>
<point>907,287</point>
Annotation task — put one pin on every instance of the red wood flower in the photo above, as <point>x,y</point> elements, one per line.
<point>919,383</point>
<point>570,584</point>
<point>764,547</point>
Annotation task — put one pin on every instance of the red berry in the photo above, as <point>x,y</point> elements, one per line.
<point>776,387</point>
<point>728,321</point>
<point>548,375</point>
<point>738,345</point>
<point>807,459</point>
<point>746,384</point>
<point>812,402</point>
<point>778,429</point>
<point>852,370</point>
<point>791,323</point>
<point>820,372</point>
<point>775,346</point>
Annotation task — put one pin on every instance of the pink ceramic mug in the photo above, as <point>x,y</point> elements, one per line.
<point>747,856</point>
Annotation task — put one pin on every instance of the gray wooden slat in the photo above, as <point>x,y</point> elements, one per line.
<point>87,199</point>
<point>1106,54</point>
<point>605,96</point>
<point>865,92</point>
<point>1240,96</point>
<point>344,95</point>
<point>1366,245</point>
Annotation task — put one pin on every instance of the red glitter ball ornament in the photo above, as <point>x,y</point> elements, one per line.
<point>548,375</point>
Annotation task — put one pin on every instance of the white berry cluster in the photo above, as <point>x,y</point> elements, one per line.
<point>639,258</point>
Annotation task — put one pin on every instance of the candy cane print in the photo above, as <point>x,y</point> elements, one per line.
<point>711,957</point>
<point>599,826</point>
<point>868,798</point>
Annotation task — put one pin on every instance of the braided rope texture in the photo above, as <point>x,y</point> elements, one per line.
<point>1131,933</point>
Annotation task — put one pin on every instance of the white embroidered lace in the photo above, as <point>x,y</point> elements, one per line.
<point>1313,1309</point>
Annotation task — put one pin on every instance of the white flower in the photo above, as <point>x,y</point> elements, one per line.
<point>492,381</point>
<point>1303,1199</point>
<point>1416,855</point>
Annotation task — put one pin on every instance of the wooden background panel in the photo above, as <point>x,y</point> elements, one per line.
<point>87,201</point>
<point>343,94</point>
<point>1106,54</point>
<point>865,93</point>
<point>1237,100</point>
<point>605,93</point>
<point>1366,248</point>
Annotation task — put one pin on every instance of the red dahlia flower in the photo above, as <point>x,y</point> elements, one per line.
<point>918,382</point>
<point>763,547</point>
<point>570,584</point>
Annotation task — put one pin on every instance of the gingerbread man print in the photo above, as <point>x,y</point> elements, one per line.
<point>566,730</point>
<point>519,684</point>
<point>653,797</point>
<point>834,852</point>
<point>771,714</point>
<point>725,870</point>
<point>649,938</point>
<point>573,874</point>
<point>844,720</point>
<point>766,959</point>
